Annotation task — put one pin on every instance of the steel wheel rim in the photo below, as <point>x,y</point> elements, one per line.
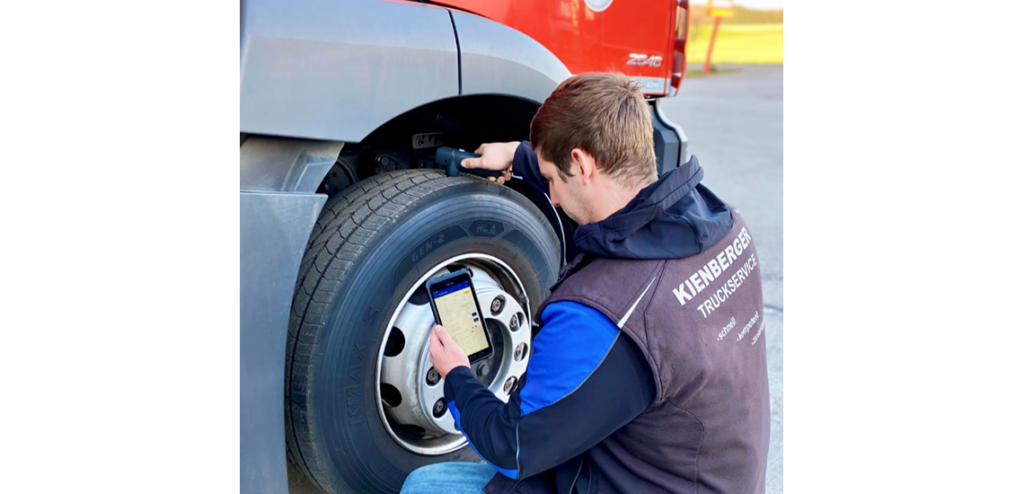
<point>432,435</point>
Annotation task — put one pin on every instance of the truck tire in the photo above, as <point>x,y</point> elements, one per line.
<point>359,389</point>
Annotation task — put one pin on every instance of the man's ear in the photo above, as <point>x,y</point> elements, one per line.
<point>588,167</point>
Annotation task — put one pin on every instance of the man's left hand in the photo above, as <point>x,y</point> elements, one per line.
<point>445,354</point>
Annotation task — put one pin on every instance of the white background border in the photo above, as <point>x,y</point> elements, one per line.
<point>120,260</point>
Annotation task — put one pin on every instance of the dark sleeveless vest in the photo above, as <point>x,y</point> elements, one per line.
<point>699,322</point>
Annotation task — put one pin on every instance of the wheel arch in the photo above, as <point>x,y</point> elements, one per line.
<point>465,122</point>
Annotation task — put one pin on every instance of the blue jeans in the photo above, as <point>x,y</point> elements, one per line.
<point>449,478</point>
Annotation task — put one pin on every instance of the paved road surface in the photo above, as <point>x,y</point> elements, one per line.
<point>734,122</point>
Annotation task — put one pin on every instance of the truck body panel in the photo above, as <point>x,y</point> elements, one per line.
<point>339,69</point>
<point>634,37</point>
<point>497,59</point>
<point>274,228</point>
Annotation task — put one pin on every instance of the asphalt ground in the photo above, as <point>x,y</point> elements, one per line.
<point>734,122</point>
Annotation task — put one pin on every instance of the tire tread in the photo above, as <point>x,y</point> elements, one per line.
<point>349,222</point>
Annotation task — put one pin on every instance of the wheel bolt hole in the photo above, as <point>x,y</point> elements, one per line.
<point>390,395</point>
<point>395,344</point>
<point>510,384</point>
<point>433,376</point>
<point>520,352</point>
<point>482,370</point>
<point>497,304</point>
<point>440,407</point>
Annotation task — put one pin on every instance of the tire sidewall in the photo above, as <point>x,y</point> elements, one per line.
<point>470,216</point>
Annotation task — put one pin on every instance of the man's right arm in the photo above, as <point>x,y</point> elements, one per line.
<point>518,156</point>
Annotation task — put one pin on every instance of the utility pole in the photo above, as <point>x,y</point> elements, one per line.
<point>717,9</point>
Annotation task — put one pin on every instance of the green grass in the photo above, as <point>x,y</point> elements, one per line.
<point>690,74</point>
<point>737,44</point>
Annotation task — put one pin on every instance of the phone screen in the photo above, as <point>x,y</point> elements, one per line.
<point>456,307</point>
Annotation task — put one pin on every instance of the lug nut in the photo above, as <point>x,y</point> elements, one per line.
<point>440,407</point>
<point>510,384</point>
<point>433,376</point>
<point>481,370</point>
<point>520,352</point>
<point>497,304</point>
<point>513,324</point>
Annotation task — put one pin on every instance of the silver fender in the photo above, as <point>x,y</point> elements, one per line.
<point>278,207</point>
<point>336,70</point>
<point>497,59</point>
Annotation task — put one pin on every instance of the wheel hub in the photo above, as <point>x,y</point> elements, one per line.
<point>411,391</point>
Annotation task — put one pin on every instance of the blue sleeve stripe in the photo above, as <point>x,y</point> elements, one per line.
<point>512,474</point>
<point>574,341</point>
<point>455,415</point>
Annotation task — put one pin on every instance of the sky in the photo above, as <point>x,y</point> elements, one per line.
<point>751,4</point>
<point>761,4</point>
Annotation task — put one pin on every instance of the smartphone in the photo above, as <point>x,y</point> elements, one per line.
<point>453,300</point>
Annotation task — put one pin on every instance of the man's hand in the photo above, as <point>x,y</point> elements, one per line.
<point>445,354</point>
<point>494,156</point>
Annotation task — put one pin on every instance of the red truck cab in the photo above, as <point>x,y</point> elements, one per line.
<point>602,35</point>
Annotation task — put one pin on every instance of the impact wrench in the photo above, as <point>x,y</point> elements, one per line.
<point>450,159</point>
